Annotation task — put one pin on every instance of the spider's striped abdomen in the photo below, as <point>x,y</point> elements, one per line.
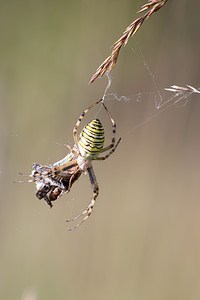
<point>91,140</point>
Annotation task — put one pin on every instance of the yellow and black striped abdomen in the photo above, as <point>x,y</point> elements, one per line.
<point>91,140</point>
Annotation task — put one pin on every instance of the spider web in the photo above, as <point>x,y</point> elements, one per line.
<point>174,95</point>
<point>162,100</point>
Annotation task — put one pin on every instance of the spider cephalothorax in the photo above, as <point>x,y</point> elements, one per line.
<point>57,179</point>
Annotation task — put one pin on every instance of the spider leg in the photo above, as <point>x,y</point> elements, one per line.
<point>52,172</point>
<point>79,121</point>
<point>90,207</point>
<point>113,149</point>
<point>112,146</point>
<point>37,173</point>
<point>113,131</point>
<point>38,177</point>
<point>25,181</point>
<point>71,149</point>
<point>71,178</point>
<point>62,168</point>
<point>27,175</point>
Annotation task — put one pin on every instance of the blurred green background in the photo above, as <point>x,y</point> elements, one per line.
<point>143,238</point>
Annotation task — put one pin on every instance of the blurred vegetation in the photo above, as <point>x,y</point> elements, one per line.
<point>108,64</point>
<point>142,240</point>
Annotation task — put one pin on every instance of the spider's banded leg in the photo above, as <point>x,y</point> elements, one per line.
<point>34,178</point>
<point>52,172</point>
<point>71,149</point>
<point>31,175</point>
<point>79,121</point>
<point>25,181</point>
<point>55,170</point>
<point>71,178</point>
<point>113,132</point>
<point>113,150</point>
<point>62,168</point>
<point>90,207</point>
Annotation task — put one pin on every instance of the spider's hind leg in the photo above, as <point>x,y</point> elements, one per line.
<point>90,207</point>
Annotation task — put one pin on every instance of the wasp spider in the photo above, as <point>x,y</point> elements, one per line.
<point>58,179</point>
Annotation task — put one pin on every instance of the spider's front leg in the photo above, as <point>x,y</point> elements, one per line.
<point>90,207</point>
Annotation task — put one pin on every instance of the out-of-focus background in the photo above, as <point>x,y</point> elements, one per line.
<point>143,239</point>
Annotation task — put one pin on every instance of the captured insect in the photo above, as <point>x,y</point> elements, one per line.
<point>49,187</point>
<point>54,181</point>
